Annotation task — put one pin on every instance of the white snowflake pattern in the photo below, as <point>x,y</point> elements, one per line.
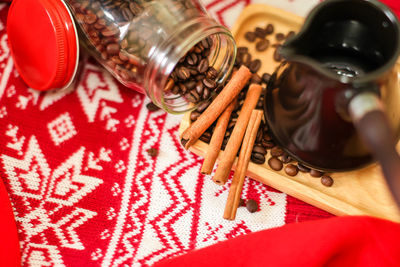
<point>129,121</point>
<point>120,166</point>
<point>3,112</point>
<point>32,179</point>
<point>124,144</point>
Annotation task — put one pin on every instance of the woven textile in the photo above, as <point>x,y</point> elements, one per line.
<point>84,190</point>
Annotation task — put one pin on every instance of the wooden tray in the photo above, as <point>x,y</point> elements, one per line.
<point>362,192</point>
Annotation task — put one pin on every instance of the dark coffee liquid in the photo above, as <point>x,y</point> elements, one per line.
<point>304,117</point>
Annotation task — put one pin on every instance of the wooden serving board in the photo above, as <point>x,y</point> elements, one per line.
<point>362,192</point>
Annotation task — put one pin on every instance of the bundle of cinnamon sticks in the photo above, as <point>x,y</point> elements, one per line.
<point>242,137</point>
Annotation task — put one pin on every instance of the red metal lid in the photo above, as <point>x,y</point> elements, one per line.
<point>43,42</point>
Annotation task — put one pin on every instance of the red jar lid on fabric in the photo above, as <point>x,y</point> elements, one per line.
<point>43,42</point>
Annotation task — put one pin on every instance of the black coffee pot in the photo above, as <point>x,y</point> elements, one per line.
<point>334,104</point>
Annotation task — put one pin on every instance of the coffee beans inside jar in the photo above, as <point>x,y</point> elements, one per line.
<point>193,78</point>
<point>139,41</point>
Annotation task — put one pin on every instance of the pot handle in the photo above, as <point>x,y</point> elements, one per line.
<point>372,124</point>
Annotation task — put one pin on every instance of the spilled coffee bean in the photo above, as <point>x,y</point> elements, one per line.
<point>153,152</point>
<point>257,158</point>
<point>285,158</point>
<point>275,164</point>
<point>277,56</point>
<point>291,170</point>
<point>315,173</point>
<point>251,205</point>
<point>262,45</point>
<point>260,32</point>
<point>255,65</point>
<point>270,29</point>
<point>279,37</point>
<point>265,77</point>
<point>326,180</point>
<point>152,107</point>
<point>250,36</point>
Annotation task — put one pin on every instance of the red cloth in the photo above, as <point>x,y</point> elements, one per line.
<point>9,245</point>
<point>339,241</point>
<point>393,4</point>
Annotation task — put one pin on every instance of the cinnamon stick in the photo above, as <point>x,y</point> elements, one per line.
<point>217,138</point>
<point>235,189</point>
<point>223,99</point>
<point>235,140</point>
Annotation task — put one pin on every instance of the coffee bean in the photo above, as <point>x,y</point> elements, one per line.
<point>134,7</point>
<point>277,56</point>
<point>259,149</point>
<point>255,78</point>
<point>279,37</point>
<point>290,34</point>
<point>152,107</point>
<point>209,83</point>
<point>268,144</point>
<point>183,73</point>
<point>205,44</point>
<point>242,202</point>
<point>206,93</point>
<point>242,49</point>
<point>203,106</point>
<point>250,36</point>
<point>211,73</point>
<point>127,14</point>
<point>246,58</point>
<point>191,98</point>
<point>291,170</point>
<point>193,71</point>
<point>251,205</point>
<point>260,32</point>
<point>265,77</point>
<point>199,87</point>
<point>257,158</point>
<point>110,31</point>
<point>327,180</point>
<point>190,84</point>
<point>262,45</point>
<point>303,168</point>
<point>194,115</point>
<point>315,173</point>
<point>276,152</point>
<point>153,152</point>
<point>182,88</point>
<point>194,96</point>
<point>90,18</point>
<point>269,29</point>
<point>199,77</point>
<point>205,137</point>
<point>112,49</point>
<point>285,158</point>
<point>203,65</point>
<point>255,65</point>
<point>275,164</point>
<point>192,59</point>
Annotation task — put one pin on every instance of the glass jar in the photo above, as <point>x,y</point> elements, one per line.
<point>171,50</point>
